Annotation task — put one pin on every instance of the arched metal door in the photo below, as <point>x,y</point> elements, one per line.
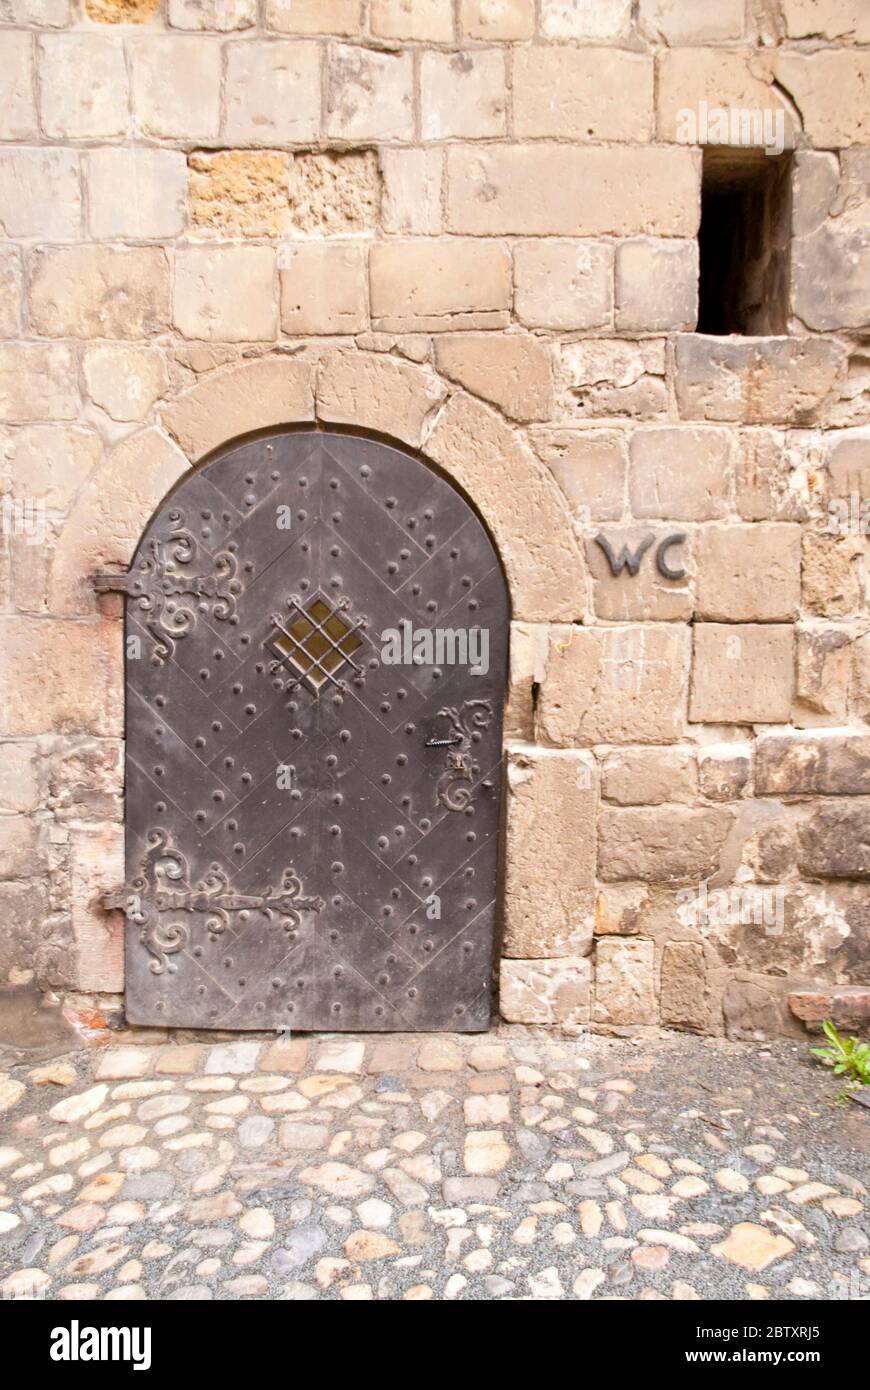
<point>317,631</point>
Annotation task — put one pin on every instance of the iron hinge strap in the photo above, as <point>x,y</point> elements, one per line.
<point>112,581</point>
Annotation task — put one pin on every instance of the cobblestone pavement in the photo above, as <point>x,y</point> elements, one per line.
<point>501,1167</point>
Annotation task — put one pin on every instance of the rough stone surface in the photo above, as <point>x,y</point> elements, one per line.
<point>323,289</point>
<point>624,986</point>
<point>545,991</point>
<point>431,286</point>
<point>100,292</point>
<point>661,844</point>
<point>514,372</point>
<point>742,674</point>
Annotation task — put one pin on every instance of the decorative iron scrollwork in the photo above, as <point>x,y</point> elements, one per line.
<point>156,585</point>
<point>468,724</point>
<point>153,895</point>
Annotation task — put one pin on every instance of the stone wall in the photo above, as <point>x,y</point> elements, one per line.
<point>468,225</point>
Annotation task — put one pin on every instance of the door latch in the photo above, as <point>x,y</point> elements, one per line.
<point>444,742</point>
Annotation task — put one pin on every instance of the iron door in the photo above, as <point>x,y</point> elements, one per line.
<point>313,784</point>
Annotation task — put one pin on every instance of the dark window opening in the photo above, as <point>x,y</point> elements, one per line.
<point>744,241</point>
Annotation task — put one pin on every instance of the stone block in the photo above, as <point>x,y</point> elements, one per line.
<point>831,570</point>
<point>424,286</point>
<point>528,651</point>
<point>323,289</point>
<point>614,377</point>
<point>773,482</point>
<point>582,94</point>
<point>585,19</point>
<point>591,468</point>
<point>240,193</point>
<point>683,986</point>
<point>834,840</point>
<point>336,193</point>
<point>124,381</point>
<point>86,779</point>
<point>99,291</point>
<point>830,251</point>
<point>272,92</point>
<point>550,189</point>
<point>692,21</point>
<point>752,1010</point>
<point>38,381</point>
<point>513,371</point>
<point>391,396</point>
<point>408,19</point>
<point>463,94</point>
<point>756,381</point>
<point>649,776</point>
<point>861,677</point>
<point>656,286</point>
<point>275,390</point>
<point>742,674</point>
<point>413,181</point>
<point>563,283</point>
<point>176,85</point>
<point>11,287</point>
<point>748,574</point>
<point>497,19</point>
<point>222,15</point>
<point>615,685</point>
<point>723,770</point>
<point>20,854</point>
<point>550,858</point>
<point>545,991</point>
<point>831,88</point>
<point>823,673</point>
<point>83,87</point>
<point>225,293</point>
<point>97,863</point>
<point>40,194</point>
<point>680,474</point>
<point>47,463</point>
<point>369,94</point>
<point>829,763</point>
<point>135,192</point>
<point>120,11</point>
<point>661,844</point>
<point>340,17</point>
<point>826,19</point>
<point>736,80</point>
<point>847,1006</point>
<point>58,676</point>
<point>625,991</point>
<point>648,596</point>
<point>17,105</point>
<point>20,778</point>
<point>620,909</point>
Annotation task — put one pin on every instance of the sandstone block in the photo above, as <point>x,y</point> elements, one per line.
<point>17,106</point>
<point>563,284</point>
<point>751,1010</point>
<point>649,776</point>
<point>463,94</point>
<point>823,668</point>
<point>135,192</point>
<point>48,14</point>
<point>723,770</point>
<point>619,909</point>
<point>99,292</point>
<point>120,11</point>
<point>565,190</point>
<point>756,380</point>
<point>512,371</point>
<point>829,763</point>
<point>369,94</point>
<point>834,840</point>
<point>772,480</point>
<point>848,463</point>
<point>336,193</point>
<point>20,855</point>
<point>656,285</point>
<point>59,676</point>
<point>830,252</point>
<point>582,94</point>
<point>323,289</point>
<point>390,396</point>
<point>412,191</point>
<point>407,19</point>
<point>748,574</point>
<point>240,192</point>
<point>124,381</point>
<point>742,674</point>
<point>680,474</point>
<point>831,88</point>
<point>83,87</point>
<point>828,19</point>
<point>585,19</point>
<point>730,79</point>
<point>661,844</point>
<point>38,381</point>
<point>47,462</point>
<point>614,377</point>
<point>590,467</point>
<point>176,84</point>
<point>40,194</point>
<point>272,92</point>
<point>698,21</point>
<point>861,677</point>
<point>625,982</point>
<point>528,650</point>
<point>272,390</point>
<point>549,887</point>
<point>497,19</point>
<point>545,991</point>
<point>97,863</point>
<point>648,596</point>
<point>222,15</point>
<point>683,986</point>
<point>19,777</point>
<point>11,287</point>
<point>831,569</point>
<point>847,1006</point>
<point>420,286</point>
<point>615,685</point>
<point>225,293</point>
<point>341,17</point>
